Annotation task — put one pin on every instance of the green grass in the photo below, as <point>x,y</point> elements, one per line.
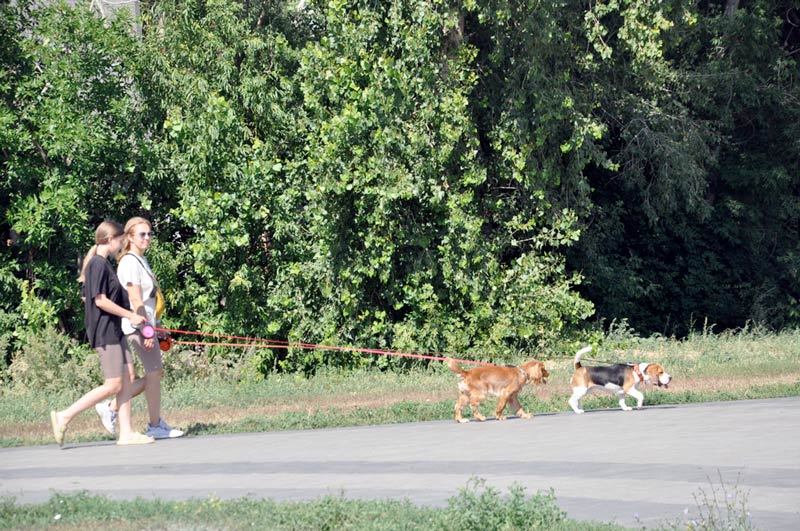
<point>475,507</point>
<point>748,364</point>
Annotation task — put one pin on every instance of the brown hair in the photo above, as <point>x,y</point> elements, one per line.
<point>129,228</point>
<point>105,232</point>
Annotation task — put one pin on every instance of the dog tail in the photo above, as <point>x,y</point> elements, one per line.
<point>454,367</point>
<point>578,355</point>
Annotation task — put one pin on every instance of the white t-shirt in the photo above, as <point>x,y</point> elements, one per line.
<point>135,270</point>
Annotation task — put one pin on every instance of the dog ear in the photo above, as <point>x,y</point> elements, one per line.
<point>535,371</point>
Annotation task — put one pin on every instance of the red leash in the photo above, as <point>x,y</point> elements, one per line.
<point>276,344</point>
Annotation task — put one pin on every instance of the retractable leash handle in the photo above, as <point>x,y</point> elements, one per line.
<point>147,330</point>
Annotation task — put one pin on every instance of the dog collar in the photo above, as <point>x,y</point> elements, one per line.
<point>642,368</point>
<point>638,372</point>
<point>525,374</point>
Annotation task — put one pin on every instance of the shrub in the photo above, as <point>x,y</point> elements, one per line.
<point>48,360</point>
<point>479,507</point>
<point>215,362</point>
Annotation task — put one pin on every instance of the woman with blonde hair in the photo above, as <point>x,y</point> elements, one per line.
<point>135,275</point>
<point>106,303</point>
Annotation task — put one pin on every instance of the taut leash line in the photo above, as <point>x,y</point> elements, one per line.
<point>254,342</point>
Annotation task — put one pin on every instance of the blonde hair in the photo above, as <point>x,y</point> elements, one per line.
<point>129,228</point>
<point>105,232</point>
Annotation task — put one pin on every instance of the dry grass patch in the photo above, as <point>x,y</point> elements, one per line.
<point>86,426</point>
<point>221,415</point>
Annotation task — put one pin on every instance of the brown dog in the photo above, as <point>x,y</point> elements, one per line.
<point>504,382</point>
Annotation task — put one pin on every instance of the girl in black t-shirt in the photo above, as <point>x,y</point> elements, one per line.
<point>106,302</point>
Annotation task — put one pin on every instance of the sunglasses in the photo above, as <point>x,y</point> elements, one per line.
<point>143,235</point>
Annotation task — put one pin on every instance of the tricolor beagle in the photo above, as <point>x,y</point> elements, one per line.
<point>621,379</point>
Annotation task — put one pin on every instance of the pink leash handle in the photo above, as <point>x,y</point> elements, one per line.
<point>147,331</point>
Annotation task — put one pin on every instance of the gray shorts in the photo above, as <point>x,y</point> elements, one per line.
<point>151,359</point>
<point>113,359</point>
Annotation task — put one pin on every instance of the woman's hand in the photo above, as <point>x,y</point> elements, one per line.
<point>149,343</point>
<point>137,320</point>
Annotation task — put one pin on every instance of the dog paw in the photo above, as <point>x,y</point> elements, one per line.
<point>462,421</point>
<point>579,411</point>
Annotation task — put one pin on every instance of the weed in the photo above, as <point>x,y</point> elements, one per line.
<point>479,507</point>
<point>721,508</point>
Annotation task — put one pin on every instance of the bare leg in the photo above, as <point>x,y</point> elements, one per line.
<point>124,403</point>
<point>152,391</point>
<point>136,389</point>
<point>96,395</point>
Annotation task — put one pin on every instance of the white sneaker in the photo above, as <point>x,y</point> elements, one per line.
<point>107,416</point>
<point>162,430</point>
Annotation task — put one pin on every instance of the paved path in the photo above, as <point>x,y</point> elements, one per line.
<point>637,468</point>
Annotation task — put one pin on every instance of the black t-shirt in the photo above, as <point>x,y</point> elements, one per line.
<point>103,328</point>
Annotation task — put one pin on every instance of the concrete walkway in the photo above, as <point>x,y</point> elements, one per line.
<point>640,468</point>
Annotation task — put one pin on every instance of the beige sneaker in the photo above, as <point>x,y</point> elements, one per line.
<point>135,438</point>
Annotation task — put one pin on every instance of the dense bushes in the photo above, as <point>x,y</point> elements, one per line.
<point>413,175</point>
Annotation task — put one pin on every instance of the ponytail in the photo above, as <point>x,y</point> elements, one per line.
<point>106,231</point>
<point>92,252</point>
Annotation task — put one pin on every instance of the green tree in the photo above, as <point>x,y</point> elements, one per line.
<point>460,176</point>
<point>408,248</point>
<point>697,224</point>
<point>358,217</point>
<point>67,109</point>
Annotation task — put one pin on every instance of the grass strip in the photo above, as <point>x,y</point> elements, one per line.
<point>244,419</point>
<point>474,507</point>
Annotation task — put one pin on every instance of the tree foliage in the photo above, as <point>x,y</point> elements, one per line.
<point>68,114</point>
<point>700,221</point>
<point>472,177</point>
